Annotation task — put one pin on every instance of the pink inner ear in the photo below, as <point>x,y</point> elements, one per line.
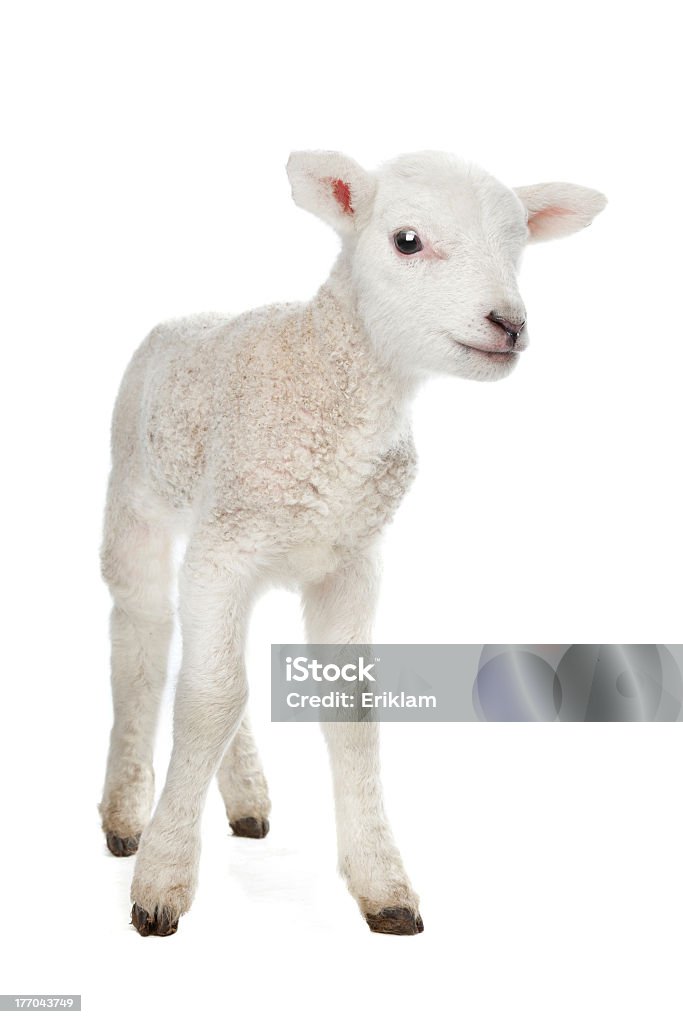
<point>342,193</point>
<point>538,218</point>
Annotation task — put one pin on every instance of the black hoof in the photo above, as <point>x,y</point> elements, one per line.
<point>251,828</point>
<point>162,922</point>
<point>395,921</point>
<point>122,847</point>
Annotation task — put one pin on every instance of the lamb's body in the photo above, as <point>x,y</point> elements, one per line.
<point>278,443</point>
<point>279,425</point>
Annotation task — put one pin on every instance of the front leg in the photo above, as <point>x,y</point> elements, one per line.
<point>210,701</point>
<point>339,610</point>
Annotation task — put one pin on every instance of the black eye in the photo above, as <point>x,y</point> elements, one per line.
<point>408,242</point>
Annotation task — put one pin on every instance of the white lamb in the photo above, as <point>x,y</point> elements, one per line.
<point>278,442</point>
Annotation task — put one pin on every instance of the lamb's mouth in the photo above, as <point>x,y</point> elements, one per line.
<point>485,353</point>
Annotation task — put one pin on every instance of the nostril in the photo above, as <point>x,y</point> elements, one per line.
<point>513,328</point>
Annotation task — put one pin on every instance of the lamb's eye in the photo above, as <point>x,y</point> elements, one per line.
<point>408,242</point>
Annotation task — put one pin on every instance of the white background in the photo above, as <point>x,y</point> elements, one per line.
<point>144,150</point>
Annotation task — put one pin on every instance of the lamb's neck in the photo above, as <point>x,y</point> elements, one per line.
<point>341,287</point>
<point>356,358</point>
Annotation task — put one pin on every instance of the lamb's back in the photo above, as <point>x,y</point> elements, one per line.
<point>176,393</point>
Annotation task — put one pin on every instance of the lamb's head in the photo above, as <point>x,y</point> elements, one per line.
<point>433,248</point>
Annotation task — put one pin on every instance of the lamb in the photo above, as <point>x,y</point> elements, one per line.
<point>278,443</point>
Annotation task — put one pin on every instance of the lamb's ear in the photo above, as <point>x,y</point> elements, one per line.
<point>332,186</point>
<point>557,208</point>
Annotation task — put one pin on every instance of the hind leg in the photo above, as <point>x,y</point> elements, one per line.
<point>243,786</point>
<point>137,565</point>
<point>217,587</point>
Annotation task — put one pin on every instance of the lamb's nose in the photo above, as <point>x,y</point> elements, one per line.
<point>512,329</point>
